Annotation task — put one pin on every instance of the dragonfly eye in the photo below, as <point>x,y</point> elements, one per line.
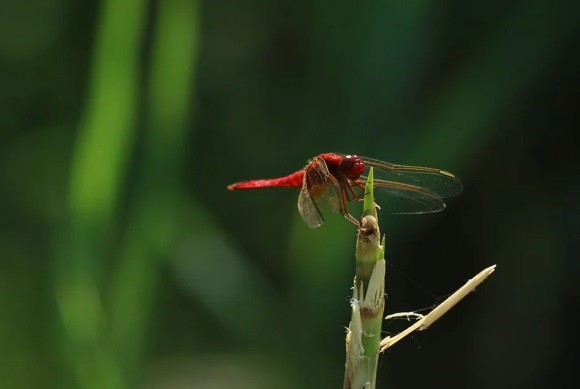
<point>352,166</point>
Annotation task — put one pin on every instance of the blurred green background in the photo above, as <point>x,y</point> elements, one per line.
<point>125,262</point>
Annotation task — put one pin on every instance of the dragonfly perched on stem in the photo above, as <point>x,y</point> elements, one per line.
<point>332,180</point>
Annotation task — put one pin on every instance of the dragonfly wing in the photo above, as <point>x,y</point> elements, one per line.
<point>412,189</point>
<point>323,187</point>
<point>319,188</point>
<point>437,181</point>
<point>406,198</point>
<point>308,208</point>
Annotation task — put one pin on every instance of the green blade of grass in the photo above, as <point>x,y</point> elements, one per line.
<point>368,302</point>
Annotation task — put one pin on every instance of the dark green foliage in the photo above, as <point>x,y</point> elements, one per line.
<point>125,262</point>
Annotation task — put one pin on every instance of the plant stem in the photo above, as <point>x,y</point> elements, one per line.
<point>368,302</point>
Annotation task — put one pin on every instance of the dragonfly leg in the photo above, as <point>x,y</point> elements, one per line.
<point>344,208</point>
<point>351,218</point>
<point>355,196</point>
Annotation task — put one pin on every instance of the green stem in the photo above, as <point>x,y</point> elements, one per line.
<point>368,301</point>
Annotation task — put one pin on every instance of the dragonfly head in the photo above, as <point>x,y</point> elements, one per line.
<point>352,166</point>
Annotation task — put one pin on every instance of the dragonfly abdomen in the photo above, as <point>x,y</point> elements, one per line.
<point>293,180</point>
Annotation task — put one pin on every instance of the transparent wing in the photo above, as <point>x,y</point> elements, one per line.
<point>411,189</point>
<point>308,209</point>
<point>440,182</point>
<point>319,188</point>
<point>406,199</point>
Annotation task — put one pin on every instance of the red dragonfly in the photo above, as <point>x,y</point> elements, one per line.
<point>332,180</point>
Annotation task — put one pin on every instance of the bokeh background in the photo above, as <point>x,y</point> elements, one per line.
<point>125,262</point>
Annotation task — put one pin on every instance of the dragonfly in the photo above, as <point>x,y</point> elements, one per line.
<point>333,180</point>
